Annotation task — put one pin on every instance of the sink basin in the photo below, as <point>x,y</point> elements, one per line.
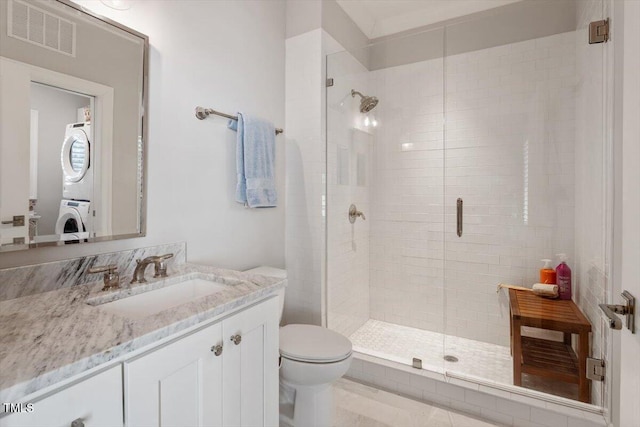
<point>151,302</point>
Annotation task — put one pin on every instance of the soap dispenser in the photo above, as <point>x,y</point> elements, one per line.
<point>547,274</point>
<point>563,276</point>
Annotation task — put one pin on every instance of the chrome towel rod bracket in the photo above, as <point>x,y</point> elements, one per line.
<point>203,113</point>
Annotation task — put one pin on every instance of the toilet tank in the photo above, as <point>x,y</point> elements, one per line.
<point>278,273</point>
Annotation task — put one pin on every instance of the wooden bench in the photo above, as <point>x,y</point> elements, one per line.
<point>546,358</point>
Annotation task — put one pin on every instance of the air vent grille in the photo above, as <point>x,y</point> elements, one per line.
<point>40,27</point>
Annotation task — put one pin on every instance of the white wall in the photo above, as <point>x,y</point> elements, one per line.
<point>305,184</point>
<point>306,168</point>
<point>226,55</point>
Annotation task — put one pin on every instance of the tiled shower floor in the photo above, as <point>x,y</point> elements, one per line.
<point>402,343</point>
<point>479,359</point>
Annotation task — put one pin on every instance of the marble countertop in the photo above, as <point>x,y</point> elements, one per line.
<point>52,336</point>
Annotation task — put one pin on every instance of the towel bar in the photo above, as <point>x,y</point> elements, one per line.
<point>202,113</point>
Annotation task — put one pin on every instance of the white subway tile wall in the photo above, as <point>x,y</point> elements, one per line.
<point>407,196</point>
<point>506,149</point>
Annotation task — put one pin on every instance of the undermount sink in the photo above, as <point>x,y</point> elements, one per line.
<point>157,300</point>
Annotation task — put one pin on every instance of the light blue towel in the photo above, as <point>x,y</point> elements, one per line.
<point>255,161</point>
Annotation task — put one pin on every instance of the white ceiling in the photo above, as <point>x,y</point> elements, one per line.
<point>377,18</point>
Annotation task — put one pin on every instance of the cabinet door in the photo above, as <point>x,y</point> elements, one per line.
<point>96,401</point>
<point>250,367</point>
<point>177,385</point>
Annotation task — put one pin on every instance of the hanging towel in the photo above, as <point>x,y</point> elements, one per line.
<point>255,161</point>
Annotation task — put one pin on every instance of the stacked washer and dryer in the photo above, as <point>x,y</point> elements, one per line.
<point>74,218</point>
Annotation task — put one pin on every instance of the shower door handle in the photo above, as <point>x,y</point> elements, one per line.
<point>628,310</point>
<point>459,217</point>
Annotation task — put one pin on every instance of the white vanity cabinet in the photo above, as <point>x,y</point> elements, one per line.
<point>193,382</point>
<point>92,402</point>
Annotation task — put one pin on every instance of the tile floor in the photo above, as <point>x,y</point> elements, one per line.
<point>357,405</point>
<point>477,359</point>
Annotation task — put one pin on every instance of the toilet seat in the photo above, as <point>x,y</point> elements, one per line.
<point>313,344</point>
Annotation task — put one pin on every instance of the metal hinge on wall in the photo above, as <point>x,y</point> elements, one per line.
<point>330,82</point>
<point>595,369</point>
<point>599,31</point>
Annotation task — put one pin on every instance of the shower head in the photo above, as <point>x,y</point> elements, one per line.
<point>367,103</point>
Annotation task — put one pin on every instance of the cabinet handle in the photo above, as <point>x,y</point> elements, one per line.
<point>217,349</point>
<point>236,339</point>
<point>77,423</point>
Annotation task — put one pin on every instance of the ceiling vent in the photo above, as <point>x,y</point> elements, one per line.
<point>40,27</point>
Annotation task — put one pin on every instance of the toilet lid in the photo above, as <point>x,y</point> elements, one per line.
<point>310,343</point>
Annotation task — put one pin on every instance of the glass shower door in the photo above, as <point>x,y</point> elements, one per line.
<point>349,145</point>
<point>526,179</point>
<point>385,272</point>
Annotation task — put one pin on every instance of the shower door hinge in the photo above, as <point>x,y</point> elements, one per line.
<point>599,31</point>
<point>330,82</point>
<point>595,369</point>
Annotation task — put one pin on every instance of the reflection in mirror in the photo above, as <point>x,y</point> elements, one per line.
<point>72,89</point>
<point>61,160</point>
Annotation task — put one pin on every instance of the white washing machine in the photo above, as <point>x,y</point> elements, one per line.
<point>76,157</point>
<point>74,220</point>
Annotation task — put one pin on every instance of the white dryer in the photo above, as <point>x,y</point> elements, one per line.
<point>76,157</point>
<point>74,220</point>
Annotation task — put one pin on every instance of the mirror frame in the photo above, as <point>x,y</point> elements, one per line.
<point>142,204</point>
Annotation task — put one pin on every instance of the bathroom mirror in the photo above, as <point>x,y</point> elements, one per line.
<point>72,142</point>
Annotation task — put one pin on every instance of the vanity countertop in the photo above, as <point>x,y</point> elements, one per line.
<point>52,336</point>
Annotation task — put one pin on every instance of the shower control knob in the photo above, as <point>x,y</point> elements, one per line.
<point>217,349</point>
<point>354,213</point>
<point>237,339</point>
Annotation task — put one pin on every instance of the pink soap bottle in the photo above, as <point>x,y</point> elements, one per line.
<point>563,278</point>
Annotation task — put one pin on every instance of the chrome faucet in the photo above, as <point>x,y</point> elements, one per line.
<point>111,277</point>
<point>157,261</point>
<point>161,266</point>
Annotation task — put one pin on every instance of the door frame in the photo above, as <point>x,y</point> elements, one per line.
<point>626,18</point>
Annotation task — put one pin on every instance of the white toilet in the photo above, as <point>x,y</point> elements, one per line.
<point>311,358</point>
